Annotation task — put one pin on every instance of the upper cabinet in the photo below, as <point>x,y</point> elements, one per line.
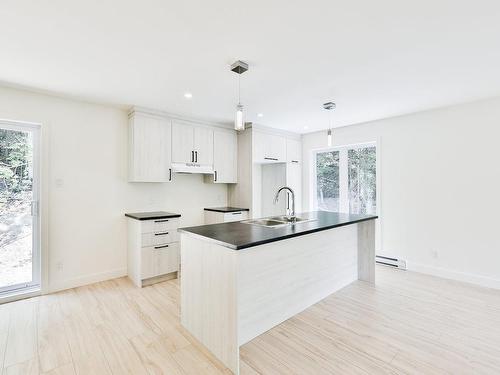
<point>192,144</point>
<point>160,147</point>
<point>183,143</point>
<point>268,148</point>
<point>149,148</point>
<point>204,145</point>
<point>225,157</point>
<point>293,151</point>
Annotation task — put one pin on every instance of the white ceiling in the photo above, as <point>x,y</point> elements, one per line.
<point>376,59</point>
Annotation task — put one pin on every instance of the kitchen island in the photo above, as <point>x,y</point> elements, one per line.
<point>240,279</point>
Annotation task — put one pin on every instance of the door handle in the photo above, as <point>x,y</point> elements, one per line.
<point>196,156</point>
<point>161,247</point>
<point>215,176</point>
<point>192,156</point>
<point>170,174</point>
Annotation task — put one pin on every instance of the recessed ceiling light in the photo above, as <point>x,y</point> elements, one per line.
<point>260,115</point>
<point>188,95</point>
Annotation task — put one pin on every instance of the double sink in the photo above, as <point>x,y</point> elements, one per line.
<point>277,221</point>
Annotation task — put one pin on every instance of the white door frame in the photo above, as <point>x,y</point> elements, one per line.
<point>35,284</point>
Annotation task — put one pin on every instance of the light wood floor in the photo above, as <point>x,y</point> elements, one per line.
<point>408,323</point>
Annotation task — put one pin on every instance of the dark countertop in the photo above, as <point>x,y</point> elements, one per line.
<point>225,209</point>
<point>152,215</point>
<point>238,235</point>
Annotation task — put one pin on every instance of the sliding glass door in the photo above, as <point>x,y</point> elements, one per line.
<point>19,196</point>
<point>345,179</point>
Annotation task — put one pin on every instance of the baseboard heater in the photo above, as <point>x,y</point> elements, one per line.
<point>390,262</point>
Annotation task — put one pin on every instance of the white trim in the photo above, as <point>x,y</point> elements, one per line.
<point>172,116</point>
<point>445,273</point>
<point>56,286</point>
<point>16,291</point>
<point>19,294</point>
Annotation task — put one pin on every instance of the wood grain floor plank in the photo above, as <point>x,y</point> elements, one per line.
<point>406,324</point>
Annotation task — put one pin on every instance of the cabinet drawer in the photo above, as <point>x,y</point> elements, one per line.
<point>160,238</point>
<point>235,216</point>
<point>159,225</point>
<point>159,260</point>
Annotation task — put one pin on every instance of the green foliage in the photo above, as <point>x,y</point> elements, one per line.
<point>362,166</point>
<point>327,171</point>
<point>15,168</point>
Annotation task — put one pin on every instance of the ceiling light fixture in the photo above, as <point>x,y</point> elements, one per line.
<point>260,115</point>
<point>239,67</point>
<point>188,95</point>
<point>330,106</point>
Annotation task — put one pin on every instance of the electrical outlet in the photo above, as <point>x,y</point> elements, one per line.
<point>59,266</point>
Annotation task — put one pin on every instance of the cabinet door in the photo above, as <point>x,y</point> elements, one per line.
<point>225,157</point>
<point>276,146</point>
<point>167,259</point>
<point>204,145</point>
<point>294,180</point>
<point>268,148</point>
<point>293,151</point>
<point>182,143</point>
<point>149,149</point>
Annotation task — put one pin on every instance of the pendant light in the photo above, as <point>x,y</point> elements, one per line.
<point>239,67</point>
<point>330,106</point>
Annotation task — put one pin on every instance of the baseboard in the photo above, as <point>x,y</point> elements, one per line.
<point>59,285</point>
<point>454,275</point>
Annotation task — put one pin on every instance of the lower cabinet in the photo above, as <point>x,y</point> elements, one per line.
<point>159,260</point>
<point>153,250</point>
<point>212,217</point>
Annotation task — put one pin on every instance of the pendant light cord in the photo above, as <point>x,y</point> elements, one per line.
<point>239,88</point>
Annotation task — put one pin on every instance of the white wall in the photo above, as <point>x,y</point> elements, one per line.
<point>440,188</point>
<point>84,146</point>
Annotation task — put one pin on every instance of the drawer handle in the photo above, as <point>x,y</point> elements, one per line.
<point>161,221</point>
<point>270,159</point>
<point>161,247</point>
<point>161,234</point>
<point>236,213</point>
<point>295,161</point>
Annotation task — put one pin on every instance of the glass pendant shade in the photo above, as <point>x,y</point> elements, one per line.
<point>329,135</point>
<point>239,122</point>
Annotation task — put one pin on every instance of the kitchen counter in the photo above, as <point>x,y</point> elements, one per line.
<point>239,235</point>
<point>225,209</point>
<point>282,271</point>
<point>152,215</point>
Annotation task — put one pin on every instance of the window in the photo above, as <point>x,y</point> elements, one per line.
<point>346,179</point>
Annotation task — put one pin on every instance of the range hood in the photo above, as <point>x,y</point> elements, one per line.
<point>192,168</point>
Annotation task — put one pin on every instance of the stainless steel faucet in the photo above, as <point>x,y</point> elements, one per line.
<point>276,197</point>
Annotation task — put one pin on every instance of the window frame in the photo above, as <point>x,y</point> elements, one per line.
<point>343,174</point>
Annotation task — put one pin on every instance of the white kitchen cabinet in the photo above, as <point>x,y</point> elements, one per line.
<point>149,148</point>
<point>215,217</point>
<point>293,151</point>
<point>182,143</point>
<point>192,144</point>
<point>268,148</point>
<point>153,248</point>
<point>204,145</point>
<point>225,157</point>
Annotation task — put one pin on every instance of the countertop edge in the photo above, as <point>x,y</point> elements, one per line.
<point>211,240</point>
<point>236,209</point>
<point>270,240</point>
<point>153,217</point>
